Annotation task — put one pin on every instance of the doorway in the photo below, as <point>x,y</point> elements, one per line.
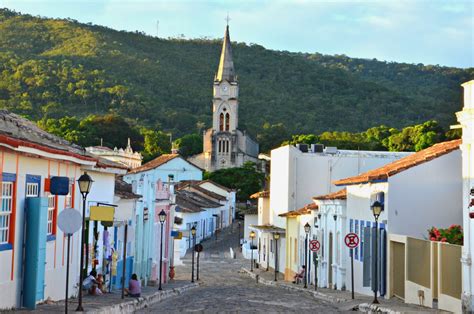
<point>330,261</point>
<point>398,269</point>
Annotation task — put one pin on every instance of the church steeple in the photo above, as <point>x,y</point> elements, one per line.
<point>226,64</point>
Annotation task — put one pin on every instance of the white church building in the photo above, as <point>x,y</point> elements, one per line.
<point>225,145</point>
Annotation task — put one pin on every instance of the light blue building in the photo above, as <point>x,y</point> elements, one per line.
<point>151,182</point>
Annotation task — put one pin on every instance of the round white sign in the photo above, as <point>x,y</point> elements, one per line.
<point>69,221</point>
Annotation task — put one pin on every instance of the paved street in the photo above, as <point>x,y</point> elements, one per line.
<point>224,288</point>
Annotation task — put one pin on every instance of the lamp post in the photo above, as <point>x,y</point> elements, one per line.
<point>193,233</point>
<point>276,236</point>
<point>377,209</point>
<point>162,216</point>
<point>85,184</point>
<point>307,228</point>
<point>252,236</point>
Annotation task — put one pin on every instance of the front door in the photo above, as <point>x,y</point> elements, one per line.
<point>330,261</point>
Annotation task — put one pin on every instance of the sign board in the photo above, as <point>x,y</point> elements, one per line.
<point>351,240</point>
<point>69,221</point>
<point>102,213</point>
<point>314,245</point>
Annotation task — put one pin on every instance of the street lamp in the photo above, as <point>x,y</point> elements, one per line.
<point>193,233</point>
<point>162,216</point>
<point>276,236</point>
<point>377,209</point>
<point>85,184</point>
<point>307,228</point>
<point>252,236</point>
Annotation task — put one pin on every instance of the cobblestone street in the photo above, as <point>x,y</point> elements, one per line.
<point>225,288</point>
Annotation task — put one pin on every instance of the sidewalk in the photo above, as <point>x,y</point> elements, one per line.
<point>113,303</point>
<point>341,299</point>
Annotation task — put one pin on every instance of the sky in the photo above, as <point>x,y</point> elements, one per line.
<point>416,31</point>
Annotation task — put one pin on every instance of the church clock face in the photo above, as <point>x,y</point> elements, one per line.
<point>225,88</point>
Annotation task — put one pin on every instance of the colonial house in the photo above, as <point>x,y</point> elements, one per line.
<point>417,192</point>
<point>126,157</point>
<point>330,228</point>
<point>29,159</point>
<point>154,181</point>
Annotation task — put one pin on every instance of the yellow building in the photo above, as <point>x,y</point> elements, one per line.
<point>295,239</point>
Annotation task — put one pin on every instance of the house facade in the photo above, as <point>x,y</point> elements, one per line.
<point>417,192</point>
<point>154,182</point>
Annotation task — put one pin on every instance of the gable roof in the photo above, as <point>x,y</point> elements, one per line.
<point>191,185</point>
<point>339,195</point>
<point>302,211</point>
<point>263,194</point>
<point>391,169</point>
<point>124,190</point>
<point>216,184</point>
<point>190,202</point>
<point>155,163</point>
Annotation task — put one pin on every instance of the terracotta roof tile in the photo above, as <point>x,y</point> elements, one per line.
<point>124,190</point>
<point>265,194</point>
<point>302,211</point>
<point>339,195</point>
<point>383,173</point>
<point>155,163</point>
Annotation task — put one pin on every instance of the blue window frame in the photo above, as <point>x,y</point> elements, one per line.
<point>356,231</point>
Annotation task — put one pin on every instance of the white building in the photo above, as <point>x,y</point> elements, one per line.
<point>466,119</point>
<point>122,156</point>
<point>418,192</point>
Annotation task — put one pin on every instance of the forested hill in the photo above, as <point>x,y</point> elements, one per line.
<point>54,68</point>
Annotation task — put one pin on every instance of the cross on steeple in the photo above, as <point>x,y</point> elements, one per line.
<point>227,19</point>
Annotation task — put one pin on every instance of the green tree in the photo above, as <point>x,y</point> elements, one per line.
<point>155,143</point>
<point>189,145</point>
<point>247,179</point>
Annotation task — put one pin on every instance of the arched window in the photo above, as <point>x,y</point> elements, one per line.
<point>227,121</point>
<point>227,146</point>
<point>221,122</point>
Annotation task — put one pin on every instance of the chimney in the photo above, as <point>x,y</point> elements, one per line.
<point>170,183</point>
<point>468,94</point>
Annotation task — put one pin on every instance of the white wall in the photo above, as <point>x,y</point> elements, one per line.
<point>425,196</point>
<point>249,220</point>
<point>296,177</point>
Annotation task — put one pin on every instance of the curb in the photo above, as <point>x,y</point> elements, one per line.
<point>143,302</point>
<point>366,307</point>
<point>316,294</point>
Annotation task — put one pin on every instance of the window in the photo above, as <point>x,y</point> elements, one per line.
<point>51,213</point>
<point>32,189</point>
<point>6,211</point>
<point>271,246</point>
<point>221,122</point>
<point>70,196</point>
<point>227,121</point>
<point>295,248</point>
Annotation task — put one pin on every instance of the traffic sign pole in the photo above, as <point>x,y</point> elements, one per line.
<point>352,272</point>
<point>352,241</point>
<point>315,260</point>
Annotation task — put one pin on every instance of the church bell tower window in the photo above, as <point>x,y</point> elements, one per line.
<point>227,121</point>
<point>221,122</point>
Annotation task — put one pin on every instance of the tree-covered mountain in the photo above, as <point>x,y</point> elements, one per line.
<point>51,68</point>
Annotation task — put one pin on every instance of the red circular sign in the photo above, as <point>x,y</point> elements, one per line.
<point>352,240</point>
<point>314,245</point>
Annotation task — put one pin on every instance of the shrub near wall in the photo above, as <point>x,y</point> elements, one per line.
<point>452,235</point>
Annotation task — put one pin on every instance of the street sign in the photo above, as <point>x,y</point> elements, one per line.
<point>351,240</point>
<point>198,247</point>
<point>69,221</point>
<point>314,245</point>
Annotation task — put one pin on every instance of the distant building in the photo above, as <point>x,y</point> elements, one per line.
<point>125,156</point>
<point>225,145</point>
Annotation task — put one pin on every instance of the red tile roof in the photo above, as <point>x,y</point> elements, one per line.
<point>264,194</point>
<point>339,195</point>
<point>302,211</point>
<point>155,163</point>
<point>383,173</point>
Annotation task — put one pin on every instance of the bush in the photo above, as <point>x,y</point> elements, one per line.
<point>452,235</point>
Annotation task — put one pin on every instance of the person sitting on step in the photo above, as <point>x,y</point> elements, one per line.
<point>299,276</point>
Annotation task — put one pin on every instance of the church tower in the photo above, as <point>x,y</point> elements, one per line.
<point>224,144</point>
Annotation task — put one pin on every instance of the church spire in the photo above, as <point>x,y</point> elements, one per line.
<point>226,63</point>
